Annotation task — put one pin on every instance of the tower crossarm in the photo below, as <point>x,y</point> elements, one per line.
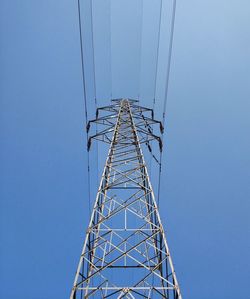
<point>142,123</point>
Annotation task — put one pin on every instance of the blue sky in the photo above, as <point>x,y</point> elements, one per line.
<point>205,192</point>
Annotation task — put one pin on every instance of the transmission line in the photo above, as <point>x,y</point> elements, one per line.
<point>169,59</point>
<point>93,50</point>
<point>166,89</point>
<point>156,69</point>
<point>157,53</point>
<point>110,27</point>
<point>94,81</point>
<point>140,50</point>
<point>84,93</point>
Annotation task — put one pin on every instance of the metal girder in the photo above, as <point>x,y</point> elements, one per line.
<point>125,253</point>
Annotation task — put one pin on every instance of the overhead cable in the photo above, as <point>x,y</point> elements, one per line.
<point>84,91</point>
<point>93,50</point>
<point>157,53</point>
<point>94,80</point>
<point>140,50</point>
<point>166,89</point>
<point>156,67</point>
<point>110,27</point>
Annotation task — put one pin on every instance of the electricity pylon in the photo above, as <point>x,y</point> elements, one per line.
<point>125,253</point>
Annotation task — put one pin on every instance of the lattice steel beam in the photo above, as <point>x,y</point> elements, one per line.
<point>125,253</point>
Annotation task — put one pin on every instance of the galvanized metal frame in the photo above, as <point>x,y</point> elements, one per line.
<point>125,196</point>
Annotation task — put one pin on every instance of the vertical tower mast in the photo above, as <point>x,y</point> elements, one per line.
<point>125,253</point>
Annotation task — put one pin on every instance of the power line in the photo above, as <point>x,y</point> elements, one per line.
<point>93,50</point>
<point>167,88</point>
<point>110,25</point>
<point>157,53</point>
<point>94,81</point>
<point>156,67</point>
<point>84,90</point>
<point>140,51</point>
<point>169,60</point>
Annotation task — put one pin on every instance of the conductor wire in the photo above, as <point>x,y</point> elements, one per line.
<point>156,67</point>
<point>169,61</point>
<point>157,53</point>
<point>140,50</point>
<point>93,50</point>
<point>167,89</point>
<point>84,92</point>
<point>94,82</point>
<point>110,28</point>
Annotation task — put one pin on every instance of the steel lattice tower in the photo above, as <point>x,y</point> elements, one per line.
<point>125,253</point>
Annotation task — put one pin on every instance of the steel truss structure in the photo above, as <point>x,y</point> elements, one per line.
<point>125,253</point>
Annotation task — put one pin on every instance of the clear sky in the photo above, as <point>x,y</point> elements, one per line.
<point>205,199</point>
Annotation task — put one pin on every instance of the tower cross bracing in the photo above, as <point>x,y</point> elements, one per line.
<point>125,253</point>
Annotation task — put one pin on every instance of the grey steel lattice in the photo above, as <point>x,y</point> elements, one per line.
<point>125,253</point>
